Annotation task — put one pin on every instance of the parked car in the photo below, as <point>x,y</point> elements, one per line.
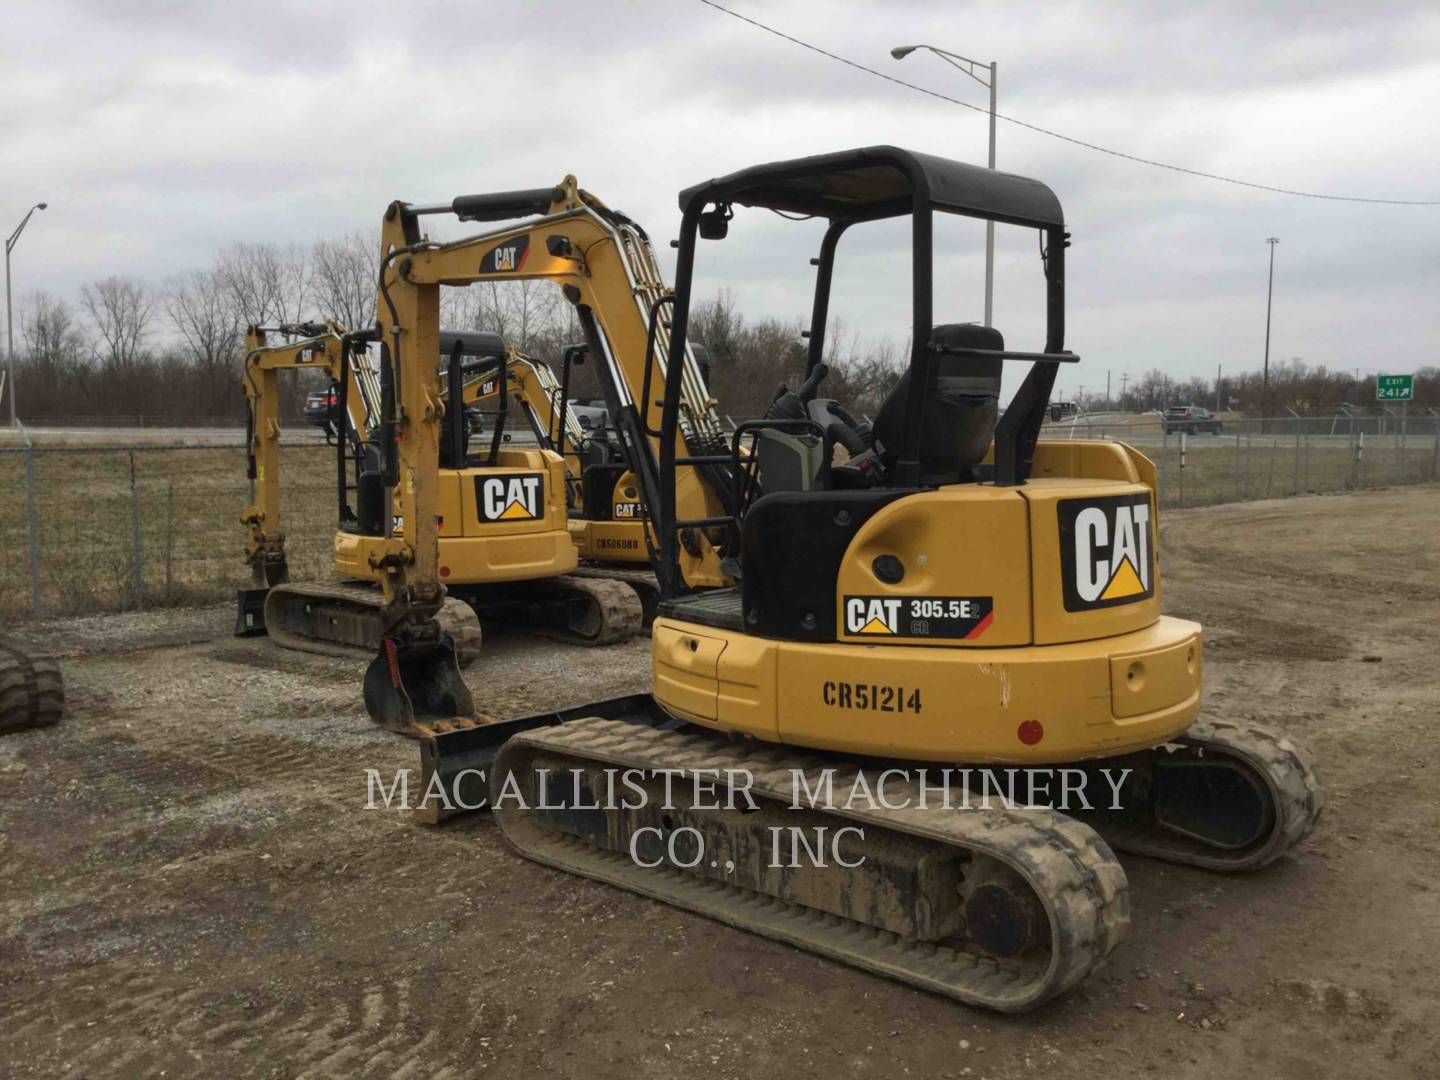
<point>1190,419</point>
<point>321,407</point>
<point>591,414</point>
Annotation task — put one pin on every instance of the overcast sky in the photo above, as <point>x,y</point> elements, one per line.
<point>160,132</point>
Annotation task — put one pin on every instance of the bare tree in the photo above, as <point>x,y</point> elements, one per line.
<point>52,337</point>
<point>267,284</point>
<point>344,279</point>
<point>525,313</point>
<point>120,310</point>
<point>200,308</point>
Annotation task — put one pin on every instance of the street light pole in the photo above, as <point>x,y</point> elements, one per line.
<point>1269,296</point>
<point>955,60</point>
<point>10,243</point>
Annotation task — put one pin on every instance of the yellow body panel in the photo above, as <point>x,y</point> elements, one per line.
<point>478,551</point>
<point>1071,660</point>
<point>959,541</point>
<point>932,703</point>
<point>610,541</point>
<point>1053,623</point>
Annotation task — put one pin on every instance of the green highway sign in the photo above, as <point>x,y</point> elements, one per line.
<point>1395,388</point>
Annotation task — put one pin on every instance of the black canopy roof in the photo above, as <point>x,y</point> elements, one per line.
<point>882,181</point>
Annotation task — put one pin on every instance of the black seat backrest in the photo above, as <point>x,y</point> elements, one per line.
<point>958,422</point>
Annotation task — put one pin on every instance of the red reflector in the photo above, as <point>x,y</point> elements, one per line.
<point>1031,732</point>
<point>444,571</point>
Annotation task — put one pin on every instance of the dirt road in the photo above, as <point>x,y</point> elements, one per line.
<point>189,883</point>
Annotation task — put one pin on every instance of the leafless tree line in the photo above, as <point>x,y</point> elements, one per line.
<point>1307,389</point>
<point>131,348</point>
<point>173,350</point>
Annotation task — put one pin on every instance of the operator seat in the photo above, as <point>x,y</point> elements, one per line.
<point>958,422</point>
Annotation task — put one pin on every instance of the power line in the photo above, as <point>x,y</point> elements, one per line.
<point>1057,135</point>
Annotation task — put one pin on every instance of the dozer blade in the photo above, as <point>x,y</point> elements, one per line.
<point>454,765</point>
<point>415,688</point>
<point>250,611</point>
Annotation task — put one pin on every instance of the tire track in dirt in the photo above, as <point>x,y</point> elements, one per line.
<point>137,1023</point>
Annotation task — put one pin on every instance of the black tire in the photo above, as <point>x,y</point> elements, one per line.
<point>32,693</point>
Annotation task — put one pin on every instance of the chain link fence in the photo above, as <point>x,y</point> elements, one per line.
<point>1272,458</point>
<point>107,528</point>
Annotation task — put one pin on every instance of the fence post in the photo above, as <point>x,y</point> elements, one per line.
<point>1360,459</point>
<point>32,525</point>
<point>1295,479</point>
<point>1164,449</point>
<point>1400,444</point>
<point>169,536</point>
<point>1270,473</point>
<point>1182,468</point>
<point>135,537</point>
<point>1236,473</point>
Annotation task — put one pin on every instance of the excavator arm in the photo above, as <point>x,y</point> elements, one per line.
<point>605,267</point>
<point>317,348</point>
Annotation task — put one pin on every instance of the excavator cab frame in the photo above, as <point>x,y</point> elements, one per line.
<point>846,189</point>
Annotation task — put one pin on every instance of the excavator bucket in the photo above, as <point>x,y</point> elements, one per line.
<point>416,689</point>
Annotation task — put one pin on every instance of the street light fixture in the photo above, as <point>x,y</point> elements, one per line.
<point>971,68</point>
<point>10,243</point>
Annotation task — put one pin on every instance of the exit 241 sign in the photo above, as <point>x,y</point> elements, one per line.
<point>1395,388</point>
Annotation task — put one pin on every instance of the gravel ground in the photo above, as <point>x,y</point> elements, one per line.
<point>192,886</point>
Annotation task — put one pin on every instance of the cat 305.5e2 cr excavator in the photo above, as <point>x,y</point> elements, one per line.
<point>950,591</point>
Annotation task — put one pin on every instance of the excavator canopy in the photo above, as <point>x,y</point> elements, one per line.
<point>879,182</point>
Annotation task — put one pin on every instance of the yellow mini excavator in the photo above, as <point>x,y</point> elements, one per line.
<point>949,591</point>
<point>607,520</point>
<point>605,267</point>
<point>504,531</point>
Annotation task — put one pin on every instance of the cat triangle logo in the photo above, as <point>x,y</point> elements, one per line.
<point>875,626</point>
<point>1124,582</point>
<point>510,496</point>
<point>517,511</point>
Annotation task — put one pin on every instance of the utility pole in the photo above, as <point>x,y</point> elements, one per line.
<point>10,242</point>
<point>970,67</point>
<point>1217,388</point>
<point>1107,389</point>
<point>1269,296</point>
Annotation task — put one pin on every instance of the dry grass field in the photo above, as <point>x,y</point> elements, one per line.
<point>188,501</point>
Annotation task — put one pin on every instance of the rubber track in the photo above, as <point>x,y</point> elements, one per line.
<point>1288,771</point>
<point>1081,885</point>
<point>456,618</point>
<point>622,615</point>
<point>32,690</point>
<point>644,582</point>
